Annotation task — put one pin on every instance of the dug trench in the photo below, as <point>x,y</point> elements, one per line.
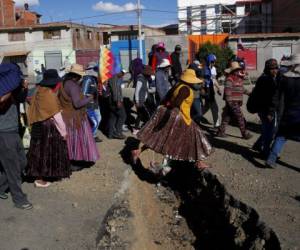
<point>187,209</point>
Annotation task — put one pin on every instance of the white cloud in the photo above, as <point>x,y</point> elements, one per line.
<point>111,7</point>
<point>30,2</point>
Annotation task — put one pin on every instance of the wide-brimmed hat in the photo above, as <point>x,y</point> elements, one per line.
<point>77,69</point>
<point>91,65</point>
<point>147,71</point>
<point>92,69</point>
<point>295,59</point>
<point>233,66</point>
<point>50,78</point>
<point>164,63</point>
<point>189,76</point>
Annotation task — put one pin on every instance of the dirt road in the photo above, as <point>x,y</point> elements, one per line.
<point>68,214</point>
<point>73,213</point>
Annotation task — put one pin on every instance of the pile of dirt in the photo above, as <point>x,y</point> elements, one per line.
<point>146,218</point>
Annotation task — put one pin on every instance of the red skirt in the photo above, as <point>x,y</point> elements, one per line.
<point>167,133</point>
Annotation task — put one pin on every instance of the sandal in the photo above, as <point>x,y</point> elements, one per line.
<point>135,155</point>
<point>200,165</point>
<point>41,185</point>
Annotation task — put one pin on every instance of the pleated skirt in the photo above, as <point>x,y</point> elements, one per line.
<point>48,152</point>
<point>167,133</point>
<point>81,143</point>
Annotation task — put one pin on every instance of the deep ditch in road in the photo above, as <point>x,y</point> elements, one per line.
<point>216,219</point>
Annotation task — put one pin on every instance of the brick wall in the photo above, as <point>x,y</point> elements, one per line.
<point>86,38</point>
<point>7,13</point>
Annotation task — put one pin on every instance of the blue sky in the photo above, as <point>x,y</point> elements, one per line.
<point>57,10</point>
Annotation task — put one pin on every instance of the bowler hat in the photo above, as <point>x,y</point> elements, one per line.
<point>50,78</point>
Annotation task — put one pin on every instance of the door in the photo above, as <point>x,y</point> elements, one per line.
<point>53,60</point>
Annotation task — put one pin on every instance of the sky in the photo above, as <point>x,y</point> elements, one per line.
<point>105,11</point>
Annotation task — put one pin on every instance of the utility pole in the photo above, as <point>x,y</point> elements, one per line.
<point>139,11</point>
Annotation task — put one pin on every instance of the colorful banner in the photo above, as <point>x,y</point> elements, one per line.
<point>109,65</point>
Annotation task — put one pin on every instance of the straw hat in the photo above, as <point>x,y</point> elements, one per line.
<point>77,69</point>
<point>189,76</point>
<point>233,66</point>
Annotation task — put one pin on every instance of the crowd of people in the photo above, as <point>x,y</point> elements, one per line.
<point>66,111</point>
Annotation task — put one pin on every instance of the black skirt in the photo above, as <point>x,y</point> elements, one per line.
<point>48,153</point>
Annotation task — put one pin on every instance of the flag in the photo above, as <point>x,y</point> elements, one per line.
<point>109,64</point>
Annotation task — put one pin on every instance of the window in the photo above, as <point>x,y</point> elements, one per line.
<point>89,35</point>
<point>77,32</point>
<point>252,9</point>
<point>16,36</point>
<point>228,9</point>
<point>128,37</point>
<point>106,37</point>
<point>52,34</point>
<point>203,17</point>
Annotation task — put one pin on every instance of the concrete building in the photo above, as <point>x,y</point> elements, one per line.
<point>224,16</point>
<point>123,40</point>
<point>12,16</point>
<point>112,33</point>
<point>52,44</point>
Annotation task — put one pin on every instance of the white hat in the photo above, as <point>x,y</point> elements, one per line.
<point>164,63</point>
<point>295,59</point>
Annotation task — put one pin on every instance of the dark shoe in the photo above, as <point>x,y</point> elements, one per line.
<point>97,139</point>
<point>247,136</point>
<point>257,148</point>
<point>25,206</point>
<point>220,134</point>
<point>119,136</point>
<point>270,164</point>
<point>75,168</point>
<point>4,196</point>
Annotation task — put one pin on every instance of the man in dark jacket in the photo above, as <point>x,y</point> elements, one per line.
<point>264,92</point>
<point>176,64</point>
<point>117,116</point>
<point>12,155</point>
<point>287,101</point>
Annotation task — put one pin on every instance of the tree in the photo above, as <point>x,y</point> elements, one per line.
<point>224,55</point>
